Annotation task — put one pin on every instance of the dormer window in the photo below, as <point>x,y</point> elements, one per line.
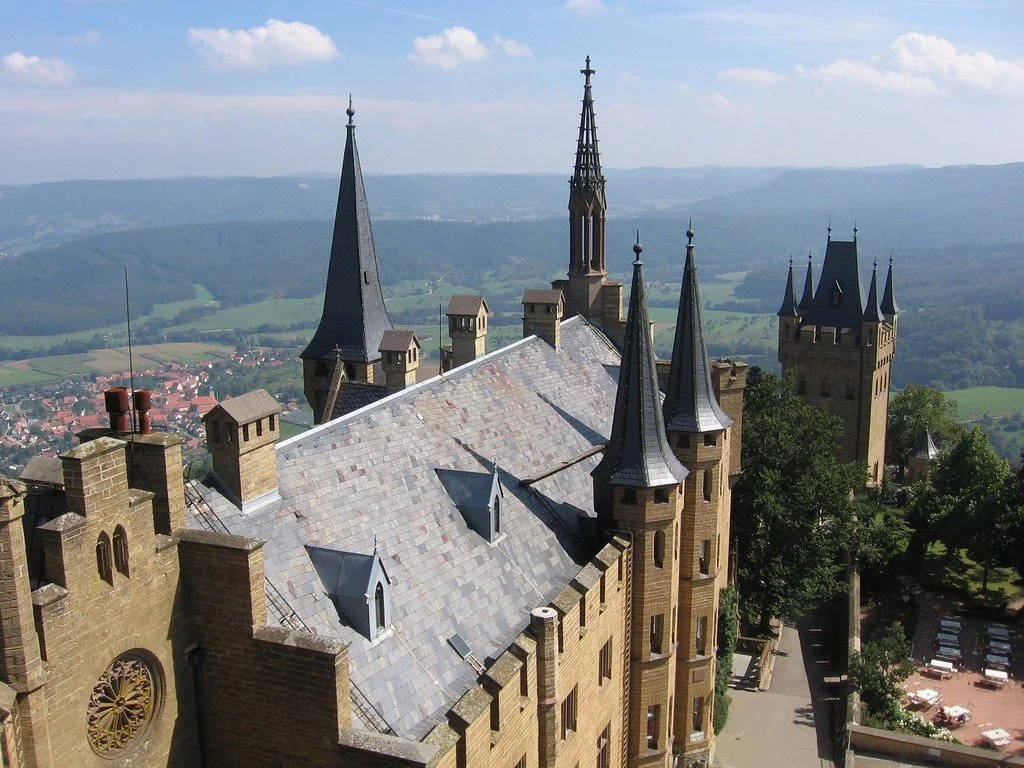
<point>477,496</point>
<point>359,587</point>
<point>837,296</point>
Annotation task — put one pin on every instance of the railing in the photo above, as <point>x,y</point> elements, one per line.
<point>281,610</point>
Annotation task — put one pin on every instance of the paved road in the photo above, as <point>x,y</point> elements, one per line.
<point>782,727</point>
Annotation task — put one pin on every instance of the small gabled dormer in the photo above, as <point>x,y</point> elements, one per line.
<point>400,352</point>
<point>359,587</point>
<point>478,497</point>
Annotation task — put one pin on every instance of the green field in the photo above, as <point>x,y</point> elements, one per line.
<point>42,370</point>
<point>992,401</point>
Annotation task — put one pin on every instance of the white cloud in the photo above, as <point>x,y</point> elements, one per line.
<point>719,104</point>
<point>584,6</point>
<point>277,43</point>
<point>866,76</point>
<point>453,47</point>
<point>512,47</point>
<point>758,78</point>
<point>89,37</point>
<point>32,70</point>
<point>927,55</point>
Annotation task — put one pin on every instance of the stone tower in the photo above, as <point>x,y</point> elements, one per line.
<point>699,431</point>
<point>354,317</point>
<point>841,347</point>
<point>638,490</point>
<point>587,290</point>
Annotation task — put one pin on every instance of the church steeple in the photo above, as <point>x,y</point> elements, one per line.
<point>354,317</point>
<point>788,308</point>
<point>586,194</point>
<point>808,294</point>
<point>690,403</point>
<point>638,454</point>
<point>889,308</point>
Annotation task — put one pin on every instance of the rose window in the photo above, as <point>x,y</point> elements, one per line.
<point>122,704</point>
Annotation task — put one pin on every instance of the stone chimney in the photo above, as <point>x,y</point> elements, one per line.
<point>400,351</point>
<point>542,315</point>
<point>467,325</point>
<point>240,435</point>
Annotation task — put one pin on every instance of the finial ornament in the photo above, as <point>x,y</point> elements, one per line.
<point>830,229</point>
<point>689,232</point>
<point>855,231</point>
<point>375,543</point>
<point>810,258</point>
<point>587,72</point>
<point>350,112</point>
<point>890,258</point>
<point>637,248</point>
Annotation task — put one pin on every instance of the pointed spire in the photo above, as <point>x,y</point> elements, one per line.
<point>808,295</point>
<point>690,403</point>
<point>588,159</point>
<point>586,202</point>
<point>872,312</point>
<point>788,308</point>
<point>638,453</point>
<point>354,317</point>
<point>889,308</point>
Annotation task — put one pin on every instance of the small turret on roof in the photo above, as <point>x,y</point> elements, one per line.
<point>397,341</point>
<point>638,453</point>
<point>690,403</point>
<point>247,408</point>
<point>789,307</point>
<point>872,312</point>
<point>467,305</point>
<point>889,307</point>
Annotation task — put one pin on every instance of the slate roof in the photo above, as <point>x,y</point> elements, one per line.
<point>889,306</point>
<point>530,408</point>
<point>789,306</point>
<point>690,402</point>
<point>246,408</point>
<point>354,395</point>
<point>397,341</point>
<point>467,305</point>
<point>926,449</point>
<point>354,316</point>
<point>840,269</point>
<point>467,489</point>
<point>872,312</point>
<point>638,454</point>
<point>808,295</point>
<point>537,296</point>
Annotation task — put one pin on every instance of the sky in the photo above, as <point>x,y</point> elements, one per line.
<point>108,89</point>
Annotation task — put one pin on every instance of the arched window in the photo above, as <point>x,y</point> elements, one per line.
<point>826,387</point>
<point>497,515</point>
<point>659,549</point>
<point>708,480</point>
<point>121,550</point>
<point>103,558</point>
<point>378,599</point>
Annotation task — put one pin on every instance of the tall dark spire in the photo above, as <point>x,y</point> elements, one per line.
<point>586,194</point>
<point>872,312</point>
<point>690,404</point>
<point>889,308</point>
<point>808,294</point>
<point>638,453</point>
<point>354,317</point>
<point>788,308</point>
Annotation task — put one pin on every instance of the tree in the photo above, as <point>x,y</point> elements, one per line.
<point>792,512</point>
<point>877,671</point>
<point>1010,532</point>
<point>913,410</point>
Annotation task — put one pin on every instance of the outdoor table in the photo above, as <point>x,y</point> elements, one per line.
<point>997,737</point>
<point>924,696</point>
<point>997,646</point>
<point>994,659</point>
<point>949,652</point>
<point>956,714</point>
<point>947,638</point>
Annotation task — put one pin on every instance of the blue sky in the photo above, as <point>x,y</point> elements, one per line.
<point>147,88</point>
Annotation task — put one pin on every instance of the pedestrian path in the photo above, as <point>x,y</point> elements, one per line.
<point>782,727</point>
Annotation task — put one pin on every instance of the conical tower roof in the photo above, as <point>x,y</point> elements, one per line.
<point>789,308</point>
<point>926,448</point>
<point>354,317</point>
<point>690,403</point>
<point>808,294</point>
<point>638,453</point>
<point>872,312</point>
<point>889,308</point>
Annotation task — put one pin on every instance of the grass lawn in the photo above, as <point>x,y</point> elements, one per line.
<point>289,430</point>
<point>994,401</point>
<point>956,572</point>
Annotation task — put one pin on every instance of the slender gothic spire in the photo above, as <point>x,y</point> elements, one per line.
<point>690,404</point>
<point>354,317</point>
<point>889,308</point>
<point>638,453</point>
<point>808,295</point>
<point>586,194</point>
<point>788,308</point>
<point>872,312</point>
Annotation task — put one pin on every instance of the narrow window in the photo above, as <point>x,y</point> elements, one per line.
<point>826,387</point>
<point>524,681</point>
<point>103,558</point>
<point>698,714</point>
<point>701,636</point>
<point>273,425</point>
<point>683,441</point>
<point>653,726</point>
<point>675,540</point>
<point>121,551</point>
<point>231,429</point>
<point>603,595</point>
<point>569,713</point>
<point>604,747</point>
<point>659,549</point>
<point>801,385</point>
<point>245,433</point>
<point>561,635</point>
<point>378,599</point>
<point>366,277</point>
<point>259,427</point>
<point>703,564</point>
<point>621,566</point>
<point>629,496</point>
<point>657,624</point>
<point>673,632</point>
<point>604,671</point>
<point>495,714</point>
<point>709,479</point>
<point>661,495</point>
<point>497,515</point>
<point>709,439</point>
<point>214,431</point>
<point>583,611</point>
